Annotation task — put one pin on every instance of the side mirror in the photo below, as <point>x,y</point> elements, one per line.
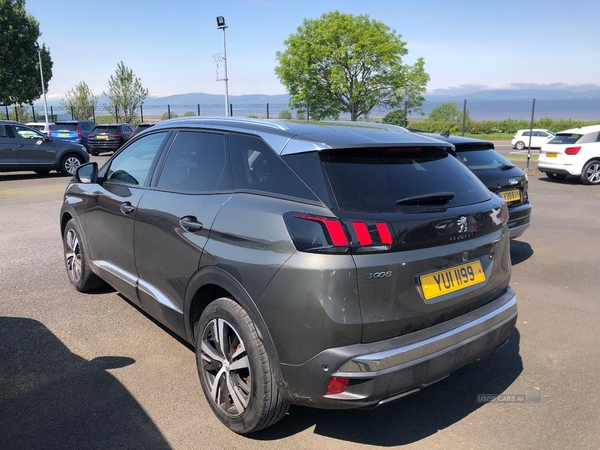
<point>88,173</point>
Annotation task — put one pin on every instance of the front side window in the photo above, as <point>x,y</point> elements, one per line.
<point>196,163</point>
<point>21,132</point>
<point>132,165</point>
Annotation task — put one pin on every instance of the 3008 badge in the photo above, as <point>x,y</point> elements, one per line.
<point>376,275</point>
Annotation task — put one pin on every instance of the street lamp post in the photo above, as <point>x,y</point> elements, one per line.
<point>221,25</point>
<point>37,47</point>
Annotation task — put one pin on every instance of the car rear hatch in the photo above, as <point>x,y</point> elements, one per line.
<point>103,133</point>
<point>428,239</point>
<point>65,131</point>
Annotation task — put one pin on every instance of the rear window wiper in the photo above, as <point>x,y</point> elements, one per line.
<point>435,199</point>
<point>504,167</point>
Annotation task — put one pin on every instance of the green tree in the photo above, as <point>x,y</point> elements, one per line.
<point>189,114</point>
<point>285,114</point>
<point>342,63</point>
<point>80,102</point>
<point>447,112</point>
<point>125,93</point>
<point>396,117</point>
<point>19,62</point>
<point>167,116</point>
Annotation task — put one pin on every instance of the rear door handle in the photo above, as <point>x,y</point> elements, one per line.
<point>127,208</point>
<point>190,223</point>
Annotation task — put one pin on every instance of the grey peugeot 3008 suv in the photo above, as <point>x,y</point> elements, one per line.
<point>333,265</point>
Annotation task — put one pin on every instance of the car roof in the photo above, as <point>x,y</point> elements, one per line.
<point>462,143</point>
<point>535,129</point>
<point>582,130</point>
<point>298,136</point>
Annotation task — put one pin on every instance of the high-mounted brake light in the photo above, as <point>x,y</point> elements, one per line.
<point>572,150</point>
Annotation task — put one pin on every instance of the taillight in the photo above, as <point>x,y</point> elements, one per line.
<point>312,233</point>
<point>91,135</point>
<point>115,135</point>
<point>504,212</point>
<point>337,385</point>
<point>79,133</point>
<point>572,150</point>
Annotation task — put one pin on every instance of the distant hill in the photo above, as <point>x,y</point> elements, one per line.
<point>515,94</point>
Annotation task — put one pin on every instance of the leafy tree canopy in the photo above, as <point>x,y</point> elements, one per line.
<point>447,112</point>
<point>125,94</point>
<point>342,63</point>
<point>20,80</point>
<point>80,102</point>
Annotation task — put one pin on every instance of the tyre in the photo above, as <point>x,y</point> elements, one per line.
<point>94,152</point>
<point>42,172</point>
<point>76,262</point>
<point>520,145</point>
<point>235,369</point>
<point>555,176</point>
<point>591,173</point>
<point>70,164</point>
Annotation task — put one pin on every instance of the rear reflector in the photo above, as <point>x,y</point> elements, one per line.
<point>337,385</point>
<point>572,150</point>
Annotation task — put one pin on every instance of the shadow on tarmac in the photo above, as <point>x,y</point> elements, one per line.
<point>51,398</point>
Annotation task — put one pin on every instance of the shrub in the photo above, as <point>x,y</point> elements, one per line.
<point>187,114</point>
<point>396,117</point>
<point>285,114</point>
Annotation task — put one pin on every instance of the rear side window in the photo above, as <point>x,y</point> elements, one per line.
<point>257,167</point>
<point>377,179</point>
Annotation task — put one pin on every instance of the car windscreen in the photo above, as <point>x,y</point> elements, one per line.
<point>106,129</point>
<point>565,138</point>
<point>388,180</point>
<point>483,159</point>
<point>65,126</point>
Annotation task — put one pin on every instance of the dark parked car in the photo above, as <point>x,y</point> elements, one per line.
<point>23,148</point>
<point>141,127</point>
<point>109,137</point>
<point>498,174</point>
<point>75,131</point>
<point>332,265</point>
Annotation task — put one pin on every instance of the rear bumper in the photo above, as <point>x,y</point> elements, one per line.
<point>518,219</point>
<point>384,371</point>
<point>559,168</point>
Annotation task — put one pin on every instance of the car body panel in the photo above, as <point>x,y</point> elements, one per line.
<point>259,236</point>
<point>539,136</point>
<point>554,159</point>
<point>23,149</point>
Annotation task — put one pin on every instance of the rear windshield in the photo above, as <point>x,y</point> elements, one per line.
<point>483,159</point>
<point>106,129</point>
<point>566,138</point>
<point>65,126</point>
<point>384,180</point>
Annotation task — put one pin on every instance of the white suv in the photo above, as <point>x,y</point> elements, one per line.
<point>538,138</point>
<point>42,127</point>
<point>573,152</point>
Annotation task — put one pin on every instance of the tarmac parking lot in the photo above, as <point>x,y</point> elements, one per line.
<point>92,371</point>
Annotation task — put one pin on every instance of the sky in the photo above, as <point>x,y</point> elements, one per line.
<point>467,45</point>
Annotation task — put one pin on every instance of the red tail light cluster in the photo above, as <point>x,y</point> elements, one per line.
<point>312,233</point>
<point>572,150</point>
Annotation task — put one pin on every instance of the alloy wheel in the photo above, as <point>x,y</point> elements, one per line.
<point>592,173</point>
<point>73,256</point>
<point>226,367</point>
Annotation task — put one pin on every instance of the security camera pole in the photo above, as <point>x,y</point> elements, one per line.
<point>221,25</point>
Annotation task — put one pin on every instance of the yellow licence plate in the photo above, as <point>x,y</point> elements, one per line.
<point>551,155</point>
<point>451,279</point>
<point>101,137</point>
<point>63,134</point>
<point>511,196</point>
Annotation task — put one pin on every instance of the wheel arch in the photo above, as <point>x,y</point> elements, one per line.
<point>211,283</point>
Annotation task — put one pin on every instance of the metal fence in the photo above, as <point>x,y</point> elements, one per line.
<point>479,110</point>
